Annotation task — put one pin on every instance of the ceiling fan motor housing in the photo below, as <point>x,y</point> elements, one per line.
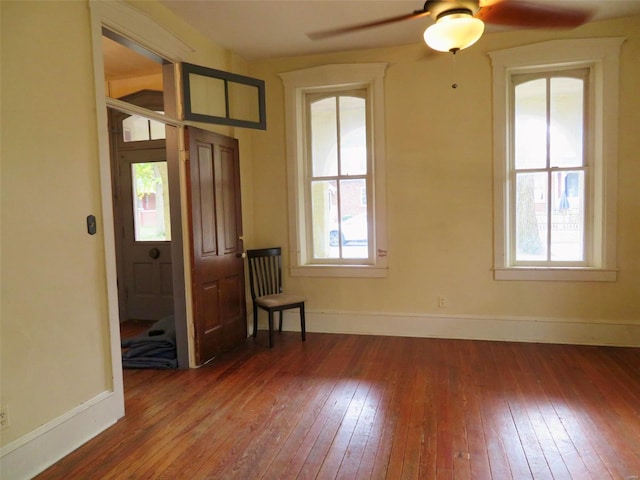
<point>440,8</point>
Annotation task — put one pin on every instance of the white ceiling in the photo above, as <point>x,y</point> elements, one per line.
<point>257,29</point>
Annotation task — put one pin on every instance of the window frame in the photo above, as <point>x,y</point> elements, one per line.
<point>227,78</point>
<point>325,79</point>
<point>515,79</point>
<point>309,99</point>
<point>601,56</point>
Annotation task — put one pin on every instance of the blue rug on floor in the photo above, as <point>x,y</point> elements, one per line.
<point>155,348</point>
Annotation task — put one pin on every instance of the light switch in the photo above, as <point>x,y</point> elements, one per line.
<point>91,225</point>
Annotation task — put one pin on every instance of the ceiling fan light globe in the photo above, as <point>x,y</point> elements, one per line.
<point>454,32</point>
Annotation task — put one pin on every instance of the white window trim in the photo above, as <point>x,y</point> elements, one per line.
<point>296,84</point>
<point>602,56</point>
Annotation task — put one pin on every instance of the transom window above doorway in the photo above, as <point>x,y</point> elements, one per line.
<point>137,128</point>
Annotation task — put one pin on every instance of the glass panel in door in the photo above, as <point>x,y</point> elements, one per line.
<point>150,183</point>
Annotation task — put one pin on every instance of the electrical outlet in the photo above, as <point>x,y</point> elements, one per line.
<point>442,302</point>
<point>4,417</point>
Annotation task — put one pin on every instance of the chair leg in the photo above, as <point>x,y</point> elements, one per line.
<point>302,322</point>
<point>255,320</point>
<point>270,328</point>
<point>281,312</point>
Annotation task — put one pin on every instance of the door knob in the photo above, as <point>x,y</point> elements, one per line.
<point>154,253</point>
<point>241,255</point>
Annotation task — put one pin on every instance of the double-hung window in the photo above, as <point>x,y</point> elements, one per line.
<point>549,177</point>
<point>335,150</point>
<point>339,176</point>
<point>555,149</point>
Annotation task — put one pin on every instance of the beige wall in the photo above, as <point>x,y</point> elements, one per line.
<point>439,190</point>
<point>55,352</point>
<point>55,344</point>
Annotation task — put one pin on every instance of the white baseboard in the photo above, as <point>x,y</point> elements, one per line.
<point>470,327</point>
<point>31,454</point>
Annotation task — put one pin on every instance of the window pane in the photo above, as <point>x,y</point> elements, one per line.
<point>567,216</point>
<point>157,129</point>
<point>324,138</point>
<point>531,124</point>
<point>324,219</point>
<point>354,230</point>
<point>135,128</point>
<point>208,96</point>
<point>151,201</point>
<point>531,216</point>
<point>244,102</point>
<point>353,136</point>
<point>567,122</point>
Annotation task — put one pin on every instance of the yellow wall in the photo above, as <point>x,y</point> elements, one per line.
<point>439,189</point>
<point>55,352</point>
<point>55,343</point>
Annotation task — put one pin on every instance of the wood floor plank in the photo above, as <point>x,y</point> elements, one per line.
<point>365,407</point>
<point>533,400</point>
<point>341,455</point>
<point>477,457</point>
<point>390,456</point>
<point>561,415</point>
<point>375,458</point>
<point>329,400</point>
<point>327,427</point>
<point>520,409</point>
<point>294,389</point>
<point>621,454</point>
<point>509,434</point>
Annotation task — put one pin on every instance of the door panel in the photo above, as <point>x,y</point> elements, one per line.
<point>229,170</point>
<point>217,263</point>
<point>147,265</point>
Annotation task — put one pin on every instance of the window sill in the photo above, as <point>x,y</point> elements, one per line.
<point>353,271</point>
<point>556,274</point>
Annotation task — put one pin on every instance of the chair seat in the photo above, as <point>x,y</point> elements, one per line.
<point>278,300</point>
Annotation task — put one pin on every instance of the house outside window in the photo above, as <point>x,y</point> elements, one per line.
<point>335,155</point>
<point>555,140</point>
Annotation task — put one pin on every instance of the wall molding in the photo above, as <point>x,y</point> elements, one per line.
<point>39,449</point>
<point>575,331</point>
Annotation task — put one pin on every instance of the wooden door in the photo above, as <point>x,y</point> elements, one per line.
<point>146,235</point>
<point>141,207</point>
<point>217,250</point>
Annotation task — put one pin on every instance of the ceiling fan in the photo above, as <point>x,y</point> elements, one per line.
<point>460,23</point>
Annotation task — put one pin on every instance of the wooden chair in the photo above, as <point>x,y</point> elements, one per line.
<point>265,278</point>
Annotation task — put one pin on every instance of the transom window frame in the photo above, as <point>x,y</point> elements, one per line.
<point>601,57</point>
<point>327,78</point>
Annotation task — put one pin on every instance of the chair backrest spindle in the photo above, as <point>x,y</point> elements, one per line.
<point>265,271</point>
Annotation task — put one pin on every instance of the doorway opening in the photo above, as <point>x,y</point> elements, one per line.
<point>141,211</point>
<point>145,182</point>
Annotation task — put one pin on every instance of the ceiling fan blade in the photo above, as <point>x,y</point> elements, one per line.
<point>530,15</point>
<point>363,26</point>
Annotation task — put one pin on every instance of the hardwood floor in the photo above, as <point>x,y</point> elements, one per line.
<point>360,407</point>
